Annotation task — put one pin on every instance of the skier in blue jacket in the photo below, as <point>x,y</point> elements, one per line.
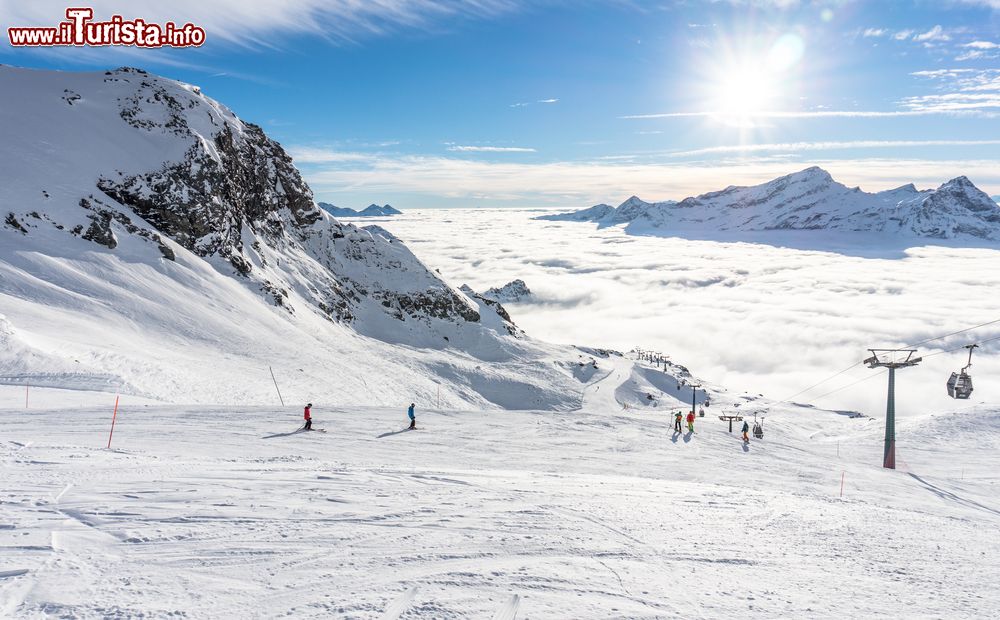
<point>413,419</point>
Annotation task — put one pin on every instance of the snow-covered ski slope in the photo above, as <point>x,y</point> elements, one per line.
<point>227,512</point>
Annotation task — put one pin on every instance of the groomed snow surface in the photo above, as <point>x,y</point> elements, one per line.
<point>226,512</point>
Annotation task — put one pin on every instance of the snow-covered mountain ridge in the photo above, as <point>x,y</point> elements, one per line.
<point>153,241</point>
<point>812,200</point>
<point>372,210</point>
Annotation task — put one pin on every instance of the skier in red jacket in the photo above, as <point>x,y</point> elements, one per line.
<point>691,421</point>
<point>307,414</point>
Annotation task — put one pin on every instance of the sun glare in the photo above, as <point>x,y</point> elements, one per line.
<point>743,91</point>
<point>747,84</point>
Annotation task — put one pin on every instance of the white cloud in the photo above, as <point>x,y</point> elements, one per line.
<point>964,91</point>
<point>490,149</point>
<point>830,145</point>
<point>312,155</point>
<point>803,114</point>
<point>936,33</point>
<point>750,317</point>
<point>902,35</point>
<point>939,73</point>
<point>875,32</point>
<point>548,100</point>
<point>983,45</point>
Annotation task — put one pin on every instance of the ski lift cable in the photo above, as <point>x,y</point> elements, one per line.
<point>961,331</point>
<point>878,374</point>
<point>909,346</point>
<point>830,378</point>
<point>962,347</point>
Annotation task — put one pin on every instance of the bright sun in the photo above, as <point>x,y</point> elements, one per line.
<point>744,91</point>
<point>747,84</point>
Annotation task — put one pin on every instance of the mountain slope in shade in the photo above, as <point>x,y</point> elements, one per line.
<point>812,200</point>
<point>153,242</point>
<point>606,215</point>
<point>372,210</point>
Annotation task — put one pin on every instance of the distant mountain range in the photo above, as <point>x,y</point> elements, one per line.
<point>372,210</point>
<point>811,200</point>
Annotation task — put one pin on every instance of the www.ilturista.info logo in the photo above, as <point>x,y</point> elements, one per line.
<point>79,30</point>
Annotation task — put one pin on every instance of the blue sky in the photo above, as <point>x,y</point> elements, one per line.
<point>505,103</point>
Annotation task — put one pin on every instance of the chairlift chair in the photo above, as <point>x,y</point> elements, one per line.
<point>960,383</point>
<point>758,427</point>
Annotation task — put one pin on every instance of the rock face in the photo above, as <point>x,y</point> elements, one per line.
<point>138,160</point>
<point>511,292</point>
<point>372,210</point>
<point>812,200</point>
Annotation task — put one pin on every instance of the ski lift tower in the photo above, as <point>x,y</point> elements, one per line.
<point>694,393</point>
<point>891,359</point>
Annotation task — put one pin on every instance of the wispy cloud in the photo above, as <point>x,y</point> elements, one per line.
<point>979,49</point>
<point>983,45</point>
<point>314,155</point>
<point>829,146</point>
<point>936,33</point>
<point>964,90</point>
<point>257,23</point>
<point>875,32</point>
<point>490,149</point>
<point>523,104</point>
<point>802,114</point>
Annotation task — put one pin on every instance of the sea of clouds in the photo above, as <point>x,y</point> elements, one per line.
<point>749,316</point>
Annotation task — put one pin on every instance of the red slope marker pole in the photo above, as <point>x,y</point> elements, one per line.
<point>113,417</point>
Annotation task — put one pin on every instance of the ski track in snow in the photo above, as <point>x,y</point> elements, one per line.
<point>587,514</point>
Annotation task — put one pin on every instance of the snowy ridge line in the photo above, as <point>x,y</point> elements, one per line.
<point>811,200</point>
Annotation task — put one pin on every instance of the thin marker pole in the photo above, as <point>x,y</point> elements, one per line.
<point>842,483</point>
<point>113,418</point>
<point>276,386</point>
<point>26,386</point>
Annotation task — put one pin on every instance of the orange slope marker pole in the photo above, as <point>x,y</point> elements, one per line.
<point>113,417</point>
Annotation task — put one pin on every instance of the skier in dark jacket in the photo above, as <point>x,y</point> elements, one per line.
<point>413,419</point>
<point>307,414</point>
<point>746,430</point>
<point>678,418</point>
